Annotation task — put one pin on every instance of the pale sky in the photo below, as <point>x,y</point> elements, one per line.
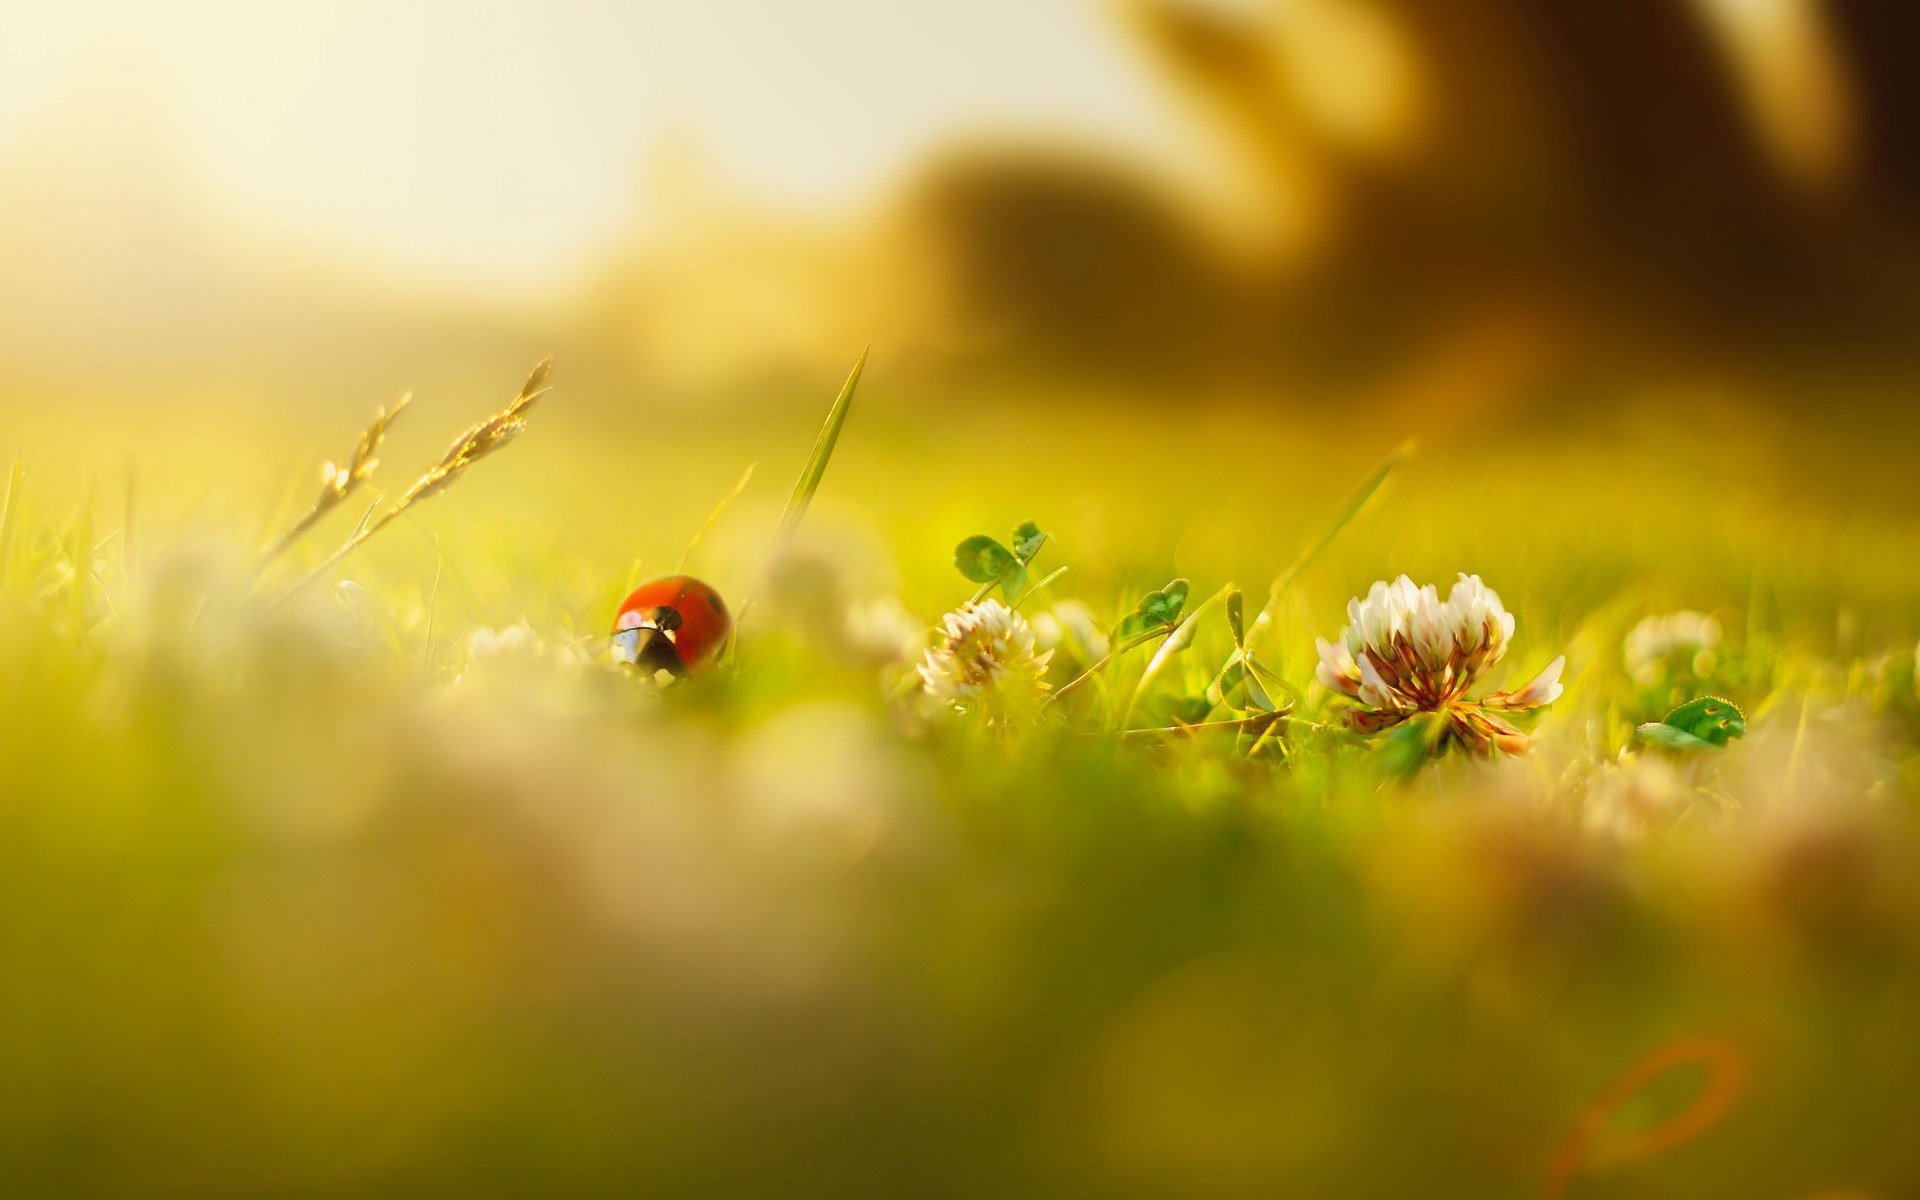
<point>501,138</point>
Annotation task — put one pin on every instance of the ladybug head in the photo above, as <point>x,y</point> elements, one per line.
<point>677,624</point>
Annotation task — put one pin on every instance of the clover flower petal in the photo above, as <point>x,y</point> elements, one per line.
<point>1542,689</point>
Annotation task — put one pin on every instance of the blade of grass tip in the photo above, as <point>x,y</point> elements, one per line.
<point>433,598</point>
<point>451,568</point>
<point>1027,595</point>
<point>1799,746</point>
<point>10,512</point>
<point>807,484</point>
<point>126,528</point>
<point>726,502</point>
<point>1113,654</point>
<point>365,529</point>
<point>79,553</point>
<point>816,467</point>
<point>1180,639</point>
<point>1342,518</point>
<point>534,388</point>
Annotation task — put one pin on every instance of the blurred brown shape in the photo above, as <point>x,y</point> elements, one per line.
<point>1661,176</point>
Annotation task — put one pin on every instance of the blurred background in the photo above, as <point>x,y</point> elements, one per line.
<point>1166,275</point>
<point>1425,204</point>
<point>1679,233</point>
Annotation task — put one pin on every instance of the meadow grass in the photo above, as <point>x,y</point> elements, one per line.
<point>398,886</point>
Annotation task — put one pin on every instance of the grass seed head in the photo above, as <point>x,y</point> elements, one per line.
<point>338,482</point>
<point>488,436</point>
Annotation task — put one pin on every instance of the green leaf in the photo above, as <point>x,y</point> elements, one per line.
<point>1027,540</point>
<point>1155,610</point>
<point>1170,600</point>
<point>1226,681</point>
<point>1256,693</point>
<point>1347,512</point>
<point>1178,641</point>
<point>1666,737</point>
<point>984,560</point>
<point>1239,688</point>
<point>1708,718</point>
<point>1236,622</point>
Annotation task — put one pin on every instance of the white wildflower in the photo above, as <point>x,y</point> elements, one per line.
<point>985,660</point>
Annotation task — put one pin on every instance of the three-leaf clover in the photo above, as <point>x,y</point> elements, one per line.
<point>986,561</point>
<point>1156,610</point>
<point>1707,723</point>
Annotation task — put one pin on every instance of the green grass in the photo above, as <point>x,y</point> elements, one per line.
<point>329,897</point>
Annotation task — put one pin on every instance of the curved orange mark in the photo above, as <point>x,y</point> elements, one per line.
<point>1587,1143</point>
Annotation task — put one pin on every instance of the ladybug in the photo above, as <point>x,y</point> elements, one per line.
<point>677,624</point>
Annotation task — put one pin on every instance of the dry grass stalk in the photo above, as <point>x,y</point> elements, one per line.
<point>485,438</point>
<point>338,482</point>
<point>476,443</point>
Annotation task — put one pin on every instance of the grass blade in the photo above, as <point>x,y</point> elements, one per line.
<point>805,486</point>
<point>719,509</point>
<point>9,513</point>
<point>1178,640</point>
<point>1344,517</point>
<point>809,481</point>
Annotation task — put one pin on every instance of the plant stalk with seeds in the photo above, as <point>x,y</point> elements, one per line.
<point>338,482</point>
<point>485,438</point>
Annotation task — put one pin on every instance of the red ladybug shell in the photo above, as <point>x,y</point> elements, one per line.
<point>704,622</point>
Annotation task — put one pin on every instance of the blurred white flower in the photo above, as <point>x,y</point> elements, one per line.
<point>1405,651</point>
<point>517,641</point>
<point>516,654</point>
<point>1632,797</point>
<point>985,661</point>
<point>883,631</point>
<point>1071,626</point>
<point>1685,639</point>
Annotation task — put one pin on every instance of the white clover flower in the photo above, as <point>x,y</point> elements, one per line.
<point>985,660</point>
<point>1685,639</point>
<point>1404,651</point>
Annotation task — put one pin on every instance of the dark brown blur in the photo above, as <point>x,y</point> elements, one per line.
<point>1485,200</point>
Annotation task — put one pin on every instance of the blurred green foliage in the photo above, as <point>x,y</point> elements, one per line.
<point>372,893</point>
